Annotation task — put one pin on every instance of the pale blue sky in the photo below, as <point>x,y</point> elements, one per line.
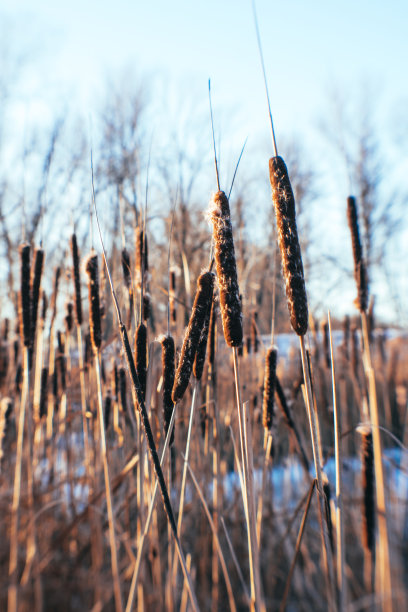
<point>310,47</point>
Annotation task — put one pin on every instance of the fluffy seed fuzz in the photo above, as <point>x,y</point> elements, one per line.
<point>284,203</point>
<point>224,254</point>
<point>202,302</point>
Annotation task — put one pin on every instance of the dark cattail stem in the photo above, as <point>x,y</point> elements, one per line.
<point>24,306</point>
<point>327,500</point>
<point>224,254</point>
<point>91,268</point>
<point>77,279</point>
<point>287,415</point>
<point>360,273</point>
<point>269,388</point>
<point>191,340</point>
<point>172,293</point>
<point>168,368</point>
<point>141,356</point>
<point>284,203</point>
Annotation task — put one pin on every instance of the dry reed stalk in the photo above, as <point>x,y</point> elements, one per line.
<point>282,606</point>
<point>141,409</point>
<point>142,539</point>
<point>340,540</point>
<point>290,423</point>
<point>51,351</point>
<point>192,336</point>
<point>224,254</point>
<point>268,447</point>
<point>224,568</point>
<point>91,267</point>
<point>383,568</point>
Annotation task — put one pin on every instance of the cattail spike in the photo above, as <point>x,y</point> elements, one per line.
<point>24,306</point>
<point>77,279</point>
<point>91,268</point>
<point>35,284</point>
<point>284,203</point>
<point>141,356</point>
<point>168,357</point>
<point>269,388</point>
<point>202,301</point>
<point>360,273</point>
<point>368,488</point>
<point>224,254</point>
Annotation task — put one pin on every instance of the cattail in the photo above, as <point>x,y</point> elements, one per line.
<point>24,306</point>
<point>370,319</point>
<point>324,326</point>
<point>254,332</point>
<point>6,406</point>
<point>172,304</point>
<point>212,334</point>
<point>77,279</point>
<point>285,212</point>
<point>346,336</point>
<point>115,381</point>
<point>63,372</point>
<point>122,388</point>
<point>327,500</point>
<point>199,358</point>
<point>53,305</point>
<point>87,349</point>
<point>269,387</point>
<point>60,342</point>
<point>201,304</point>
<point>168,354</point>
<point>141,356</point>
<point>69,317</point>
<point>18,378</point>
<point>107,410</point>
<point>141,254</point>
<point>147,305</point>
<point>16,347</point>
<point>5,329</point>
<point>44,306</point>
<point>35,284</point>
<point>248,344</point>
<point>230,303</point>
<point>91,268</point>
<point>359,266</point>
<point>43,392</point>
<point>126,268</point>
<point>354,351</point>
<point>368,488</point>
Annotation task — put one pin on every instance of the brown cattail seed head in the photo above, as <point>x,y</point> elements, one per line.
<point>77,279</point>
<point>141,356</point>
<point>122,388</point>
<point>368,488</point>
<point>224,253</point>
<point>269,388</point>
<point>91,268</point>
<point>168,356</point>
<point>126,268</point>
<point>173,312</point>
<point>284,203</point>
<point>199,359</point>
<point>202,302</point>
<point>69,317</point>
<point>53,305</point>
<point>107,410</point>
<point>36,275</point>
<point>43,392</point>
<point>212,334</point>
<point>360,274</point>
<point>24,304</point>
<point>141,254</point>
